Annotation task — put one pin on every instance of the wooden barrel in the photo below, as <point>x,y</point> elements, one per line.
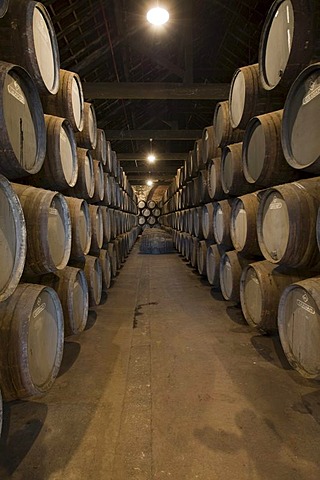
<point>247,98</point>
<point>197,222</point>
<point>31,341</point>
<point>80,227</point>
<point>84,187</point>
<point>194,252</point>
<point>68,102</point>
<point>298,324</point>
<point>93,273</point>
<point>264,163</point>
<point>202,256</point>
<point>210,148</point>
<point>113,259</point>
<point>13,239</point>
<point>243,225</point>
<point>156,212</point>
<point>300,136</point>
<point>197,155</point>
<point>215,189</point>
<point>142,220</point>
<point>261,287</point>
<point>221,222</point>
<point>286,223</point>
<point>233,180</point>
<point>60,168</point>
<point>48,229</point>
<point>107,190</point>
<point>151,220</point>
<point>106,269</point>
<point>106,218</point>
<point>142,204</point>
<point>87,138</point>
<point>100,152</point>
<point>286,45</point>
<point>151,204</point>
<point>99,187</point>
<point>22,133</point>
<point>96,218</point>
<point>231,267</point>
<point>3,10</point>
<point>207,221</point>
<point>28,39</point>
<point>224,133</point>
<point>214,254</point>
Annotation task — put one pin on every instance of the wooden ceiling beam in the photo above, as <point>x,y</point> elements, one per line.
<point>134,157</point>
<point>156,91</point>
<point>154,134</point>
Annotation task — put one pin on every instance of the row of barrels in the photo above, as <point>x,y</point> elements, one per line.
<point>149,213</point>
<point>257,237</point>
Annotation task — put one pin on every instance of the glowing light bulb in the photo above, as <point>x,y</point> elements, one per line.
<point>158,16</point>
<point>149,183</point>
<point>151,158</point>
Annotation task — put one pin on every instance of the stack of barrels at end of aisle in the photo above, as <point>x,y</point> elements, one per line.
<point>149,213</point>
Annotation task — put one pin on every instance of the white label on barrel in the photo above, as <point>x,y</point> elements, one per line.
<point>275,205</point>
<point>15,90</point>
<point>53,211</point>
<point>313,91</point>
<point>306,307</point>
<point>39,309</point>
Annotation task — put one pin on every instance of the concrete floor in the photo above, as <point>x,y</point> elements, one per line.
<point>167,382</point>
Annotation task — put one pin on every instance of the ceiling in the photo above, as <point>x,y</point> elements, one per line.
<point>120,58</point>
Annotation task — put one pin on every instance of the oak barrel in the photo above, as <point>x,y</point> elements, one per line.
<point>202,256</point>
<point>80,227</point>
<point>221,222</point>
<point>22,132</point>
<point>99,186</point>
<point>286,223</point>
<point>215,189</point>
<point>106,218</point>
<point>231,267</point>
<point>243,225</point>
<point>60,168</point>
<point>28,39</point>
<point>233,180</point>
<point>210,148</point>
<point>261,286</point>
<point>100,152</point>
<point>207,221</point>
<point>93,273</point>
<point>286,45</point>
<point>31,341</point>
<point>264,163</point>
<point>87,138</point>
<point>13,239</point>
<point>84,187</point>
<point>96,218</point>
<point>113,259</point>
<point>48,229</point>
<point>68,102</point>
<point>3,10</point>
<point>104,258</point>
<point>225,134</point>
<point>298,324</point>
<point>300,135</point>
<point>214,254</point>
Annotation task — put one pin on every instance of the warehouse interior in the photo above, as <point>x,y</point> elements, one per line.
<point>159,317</point>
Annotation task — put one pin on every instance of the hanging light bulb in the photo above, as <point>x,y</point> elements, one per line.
<point>158,16</point>
<point>149,183</point>
<point>151,158</point>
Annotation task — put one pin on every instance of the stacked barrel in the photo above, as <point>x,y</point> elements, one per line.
<point>149,213</point>
<point>260,227</point>
<point>68,215</point>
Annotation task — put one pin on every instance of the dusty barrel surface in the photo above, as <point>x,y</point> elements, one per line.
<point>107,227</point>
<point>87,137</point>
<point>22,133</point>
<point>207,221</point>
<point>13,239</point>
<point>100,152</point>
<point>113,259</point>
<point>243,225</point>
<point>282,225</point>
<point>48,229</point>
<point>300,135</point>
<point>68,102</point>
<point>194,252</point>
<point>225,134</point>
<point>99,186</point>
<point>31,341</point>
<point>210,148</point>
<point>93,273</point>
<point>261,286</point>
<point>221,222</point>
<point>80,227</point>
<point>28,39</point>
<point>247,98</point>
<point>231,267</point>
<point>202,256</point>
<point>84,187</point>
<point>264,163</point>
<point>232,177</point>
<point>286,45</point>
<point>60,168</point>
<point>298,324</point>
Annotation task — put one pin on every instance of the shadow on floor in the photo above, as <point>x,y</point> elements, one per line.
<point>92,318</point>
<point>71,352</point>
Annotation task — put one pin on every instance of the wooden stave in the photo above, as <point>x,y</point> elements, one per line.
<point>96,220</point>
<point>250,203</point>
<point>225,206</point>
<point>215,190</point>
<point>207,221</point>
<point>75,206</point>
<point>227,134</point>
<point>80,189</point>
<point>238,263</point>
<point>106,269</point>
<point>83,138</point>
<point>239,184</point>
<point>213,274</point>
<point>99,186</point>
<point>100,152</point>
<point>93,273</point>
